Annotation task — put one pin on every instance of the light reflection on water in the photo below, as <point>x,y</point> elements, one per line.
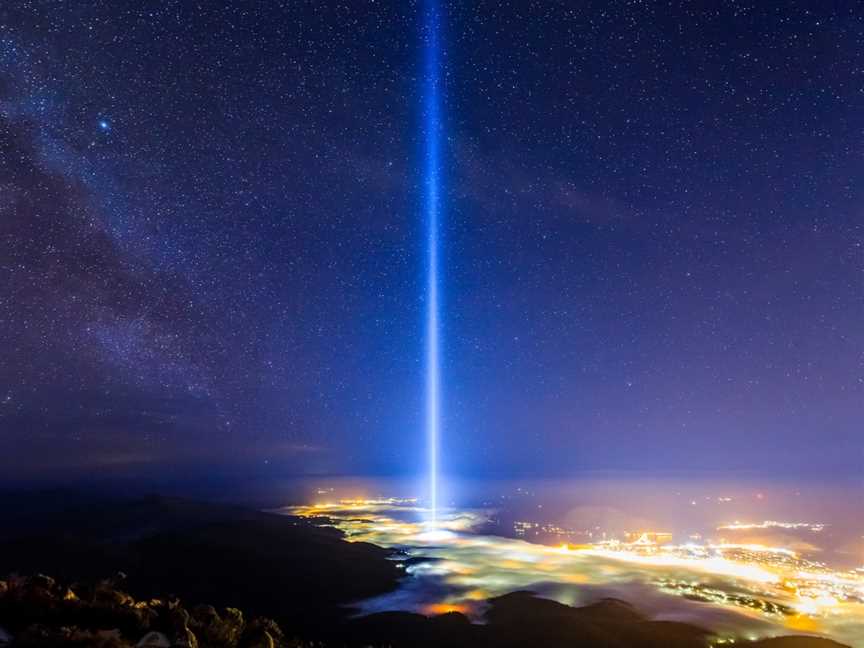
<point>735,589</point>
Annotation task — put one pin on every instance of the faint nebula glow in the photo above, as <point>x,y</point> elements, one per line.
<point>432,116</point>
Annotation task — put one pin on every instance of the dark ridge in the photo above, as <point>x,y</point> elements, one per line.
<point>282,566</point>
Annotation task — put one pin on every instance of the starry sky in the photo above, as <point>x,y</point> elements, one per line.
<point>212,237</point>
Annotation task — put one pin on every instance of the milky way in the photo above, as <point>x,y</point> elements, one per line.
<point>212,256</point>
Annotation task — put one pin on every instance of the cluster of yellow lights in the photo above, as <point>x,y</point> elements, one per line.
<point>816,598</point>
<point>365,504</point>
<point>771,524</point>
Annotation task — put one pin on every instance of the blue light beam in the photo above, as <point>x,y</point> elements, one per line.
<point>432,172</point>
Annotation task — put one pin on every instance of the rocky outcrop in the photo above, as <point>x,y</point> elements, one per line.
<point>281,567</point>
<point>43,613</point>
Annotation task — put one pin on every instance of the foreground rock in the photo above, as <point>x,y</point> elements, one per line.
<point>40,612</point>
<point>281,567</point>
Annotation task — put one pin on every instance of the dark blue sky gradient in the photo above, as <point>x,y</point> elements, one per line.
<point>213,246</point>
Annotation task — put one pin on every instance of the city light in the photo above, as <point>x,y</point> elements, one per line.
<point>775,585</point>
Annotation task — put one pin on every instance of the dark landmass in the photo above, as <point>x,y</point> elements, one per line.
<point>521,620</point>
<point>207,575</point>
<point>41,613</point>
<point>796,642</point>
<point>280,566</point>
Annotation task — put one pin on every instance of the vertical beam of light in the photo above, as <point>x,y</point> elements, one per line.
<point>432,117</point>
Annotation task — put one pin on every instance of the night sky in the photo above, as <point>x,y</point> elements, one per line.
<point>212,239</point>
